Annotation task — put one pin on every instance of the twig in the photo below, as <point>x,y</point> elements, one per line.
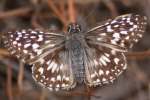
<point>111,7</point>
<point>71,11</point>
<point>70,93</point>
<point>14,67</point>
<point>138,55</point>
<point>126,2</point>
<point>149,90</point>
<point>34,22</point>
<point>88,91</point>
<point>20,76</point>
<point>17,12</point>
<point>43,94</point>
<point>62,7</point>
<point>9,83</point>
<point>3,52</point>
<point>56,11</point>
<point>36,13</point>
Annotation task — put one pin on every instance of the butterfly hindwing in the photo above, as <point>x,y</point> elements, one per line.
<point>103,65</point>
<point>55,73</point>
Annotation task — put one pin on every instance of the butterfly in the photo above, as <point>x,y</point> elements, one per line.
<point>61,60</point>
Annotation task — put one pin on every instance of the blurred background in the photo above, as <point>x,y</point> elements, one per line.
<point>16,81</point>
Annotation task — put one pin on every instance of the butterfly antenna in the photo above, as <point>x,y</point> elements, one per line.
<point>91,12</point>
<point>83,21</point>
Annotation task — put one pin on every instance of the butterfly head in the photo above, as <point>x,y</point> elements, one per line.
<point>74,28</point>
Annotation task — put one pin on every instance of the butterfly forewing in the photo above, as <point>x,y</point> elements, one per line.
<point>119,33</point>
<point>32,44</point>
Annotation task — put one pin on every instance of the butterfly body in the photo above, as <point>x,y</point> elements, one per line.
<point>61,60</point>
<point>75,43</point>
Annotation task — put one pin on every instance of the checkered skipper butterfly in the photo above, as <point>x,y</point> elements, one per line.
<point>95,57</point>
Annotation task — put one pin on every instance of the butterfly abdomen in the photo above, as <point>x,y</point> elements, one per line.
<point>77,61</point>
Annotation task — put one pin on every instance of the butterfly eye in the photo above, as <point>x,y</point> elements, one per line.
<point>78,27</point>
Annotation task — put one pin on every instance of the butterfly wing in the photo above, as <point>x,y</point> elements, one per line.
<point>120,33</point>
<point>103,65</point>
<point>29,44</point>
<point>56,72</point>
<point>46,51</point>
<point>104,59</point>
